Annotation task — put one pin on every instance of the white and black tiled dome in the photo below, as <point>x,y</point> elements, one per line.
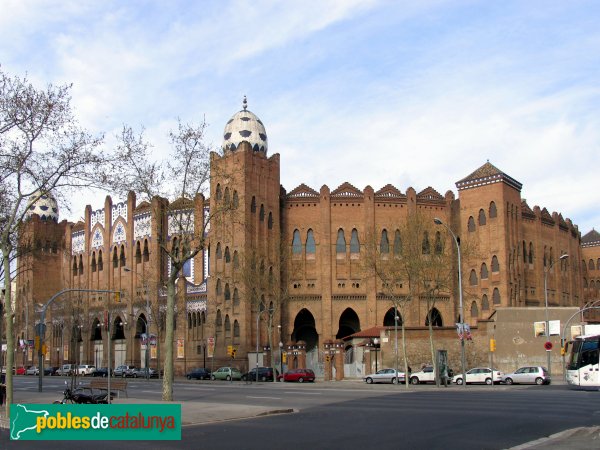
<point>44,206</point>
<point>245,126</point>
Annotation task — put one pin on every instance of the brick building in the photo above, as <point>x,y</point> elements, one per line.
<point>307,244</point>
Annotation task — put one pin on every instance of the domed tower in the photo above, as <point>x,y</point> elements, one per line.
<point>245,201</point>
<point>41,249</point>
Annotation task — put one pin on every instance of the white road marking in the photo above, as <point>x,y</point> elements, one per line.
<point>270,398</point>
<point>303,392</point>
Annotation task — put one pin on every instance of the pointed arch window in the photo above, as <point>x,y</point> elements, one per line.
<point>226,197</point>
<point>227,292</point>
<point>100,262</point>
<point>474,310</point>
<point>122,260</point>
<point>471,225</point>
<point>236,200</point>
<point>481,218</point>
<point>397,243</point>
<point>425,246</point>
<point>218,193</point>
<point>473,278</point>
<point>253,205</point>
<point>218,289</point>
<point>138,252</point>
<point>493,211</point>
<point>236,329</point>
<point>227,255</point>
<point>354,243</point>
<point>524,252</point>
<point>590,264</point>
<point>436,318</point>
<point>438,243</point>
<point>270,221</point>
<point>218,252</point>
<point>311,247</point>
<point>485,304</point>
<point>146,253</point>
<point>384,243</point>
<point>340,245</point>
<point>296,243</point>
<point>80,265</point>
<point>261,214</point>
<point>495,264</point>
<point>484,271</point>
<point>93,262</point>
<point>530,255</point>
<point>236,260</point>
<point>496,296</point>
<point>115,258</point>
<point>236,297</point>
<point>219,320</point>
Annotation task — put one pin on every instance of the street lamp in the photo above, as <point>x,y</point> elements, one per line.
<point>258,335</point>
<point>546,270</point>
<point>280,352</point>
<point>376,349</point>
<point>461,312</point>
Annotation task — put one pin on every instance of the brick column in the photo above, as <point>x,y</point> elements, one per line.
<point>339,360</point>
<point>329,353</point>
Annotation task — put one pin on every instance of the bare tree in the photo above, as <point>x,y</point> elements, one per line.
<point>183,176</point>
<point>42,150</point>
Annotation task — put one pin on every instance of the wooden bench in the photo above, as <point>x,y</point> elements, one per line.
<point>115,385</point>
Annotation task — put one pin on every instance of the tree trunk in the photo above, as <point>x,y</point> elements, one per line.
<point>406,374</point>
<point>10,338</point>
<point>433,361</point>
<point>167,393</point>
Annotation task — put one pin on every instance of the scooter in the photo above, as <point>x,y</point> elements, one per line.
<point>77,396</point>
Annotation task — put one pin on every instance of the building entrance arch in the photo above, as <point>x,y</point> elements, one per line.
<point>349,324</point>
<point>305,329</point>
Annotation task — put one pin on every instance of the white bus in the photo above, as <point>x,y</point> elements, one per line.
<point>583,367</point>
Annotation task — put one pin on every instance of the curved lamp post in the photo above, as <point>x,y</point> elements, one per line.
<point>461,313</point>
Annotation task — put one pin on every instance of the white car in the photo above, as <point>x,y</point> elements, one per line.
<point>85,369</point>
<point>427,375</point>
<point>32,370</point>
<point>479,375</point>
<point>385,376</point>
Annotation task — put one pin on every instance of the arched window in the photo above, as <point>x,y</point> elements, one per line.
<point>100,262</point>
<point>425,247</point>
<point>485,304</point>
<point>493,211</point>
<point>591,264</point>
<point>481,217</point>
<point>138,252</point>
<point>227,292</point>
<point>121,257</point>
<point>75,266</point>
<point>219,320</point>
<point>236,297</point>
<point>236,329</point>
<point>93,261</point>
<point>384,243</point>
<point>496,296</point>
<point>484,271</point>
<point>340,245</point>
<point>597,263</point>
<point>187,269</point>
<point>261,214</point>
<point>438,243</point>
<point>115,258</point>
<point>495,264</point>
<point>389,320</point>
<point>474,310</point>
<point>397,243</point>
<point>253,205</point>
<point>530,255</point>
<point>354,244</point>
<point>218,252</point>
<point>146,254</point>
<point>436,318</point>
<point>296,243</point>
<point>227,255</point>
<point>473,278</point>
<point>524,252</point>
<point>270,221</point>
<point>218,192</point>
<point>236,260</point>
<point>471,224</point>
<point>218,286</point>
<point>226,197</point>
<point>236,201</point>
<point>311,247</point>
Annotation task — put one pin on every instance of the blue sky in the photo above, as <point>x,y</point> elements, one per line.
<point>412,93</point>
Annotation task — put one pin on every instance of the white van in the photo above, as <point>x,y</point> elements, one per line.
<point>85,369</point>
<point>66,369</point>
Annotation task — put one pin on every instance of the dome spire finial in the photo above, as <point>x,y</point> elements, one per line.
<point>245,103</point>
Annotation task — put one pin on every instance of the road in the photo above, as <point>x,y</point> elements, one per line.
<point>354,415</point>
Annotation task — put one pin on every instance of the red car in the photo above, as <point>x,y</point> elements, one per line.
<point>20,371</point>
<point>299,375</point>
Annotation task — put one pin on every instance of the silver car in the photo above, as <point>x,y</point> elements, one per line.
<point>528,375</point>
<point>385,376</point>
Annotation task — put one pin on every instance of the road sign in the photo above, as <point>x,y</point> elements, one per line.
<point>548,346</point>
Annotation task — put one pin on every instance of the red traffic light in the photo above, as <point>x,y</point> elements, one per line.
<point>548,345</point>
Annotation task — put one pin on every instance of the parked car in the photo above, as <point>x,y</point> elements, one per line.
<point>199,373</point>
<point>124,371</point>
<point>51,371</point>
<point>67,369</point>
<point>227,373</point>
<point>528,375</point>
<point>479,375</point>
<point>32,370</point>
<point>85,369</point>
<point>427,375</point>
<point>264,374</point>
<point>141,372</point>
<point>385,376</point>
<point>101,372</point>
<point>299,375</point>
<point>20,370</point>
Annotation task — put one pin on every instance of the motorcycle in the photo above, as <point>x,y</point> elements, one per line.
<point>79,397</point>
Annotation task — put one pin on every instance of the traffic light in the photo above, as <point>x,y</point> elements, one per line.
<point>563,351</point>
<point>230,350</point>
<point>233,351</point>
<point>118,296</point>
<point>492,345</point>
<point>44,349</point>
<point>37,343</point>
